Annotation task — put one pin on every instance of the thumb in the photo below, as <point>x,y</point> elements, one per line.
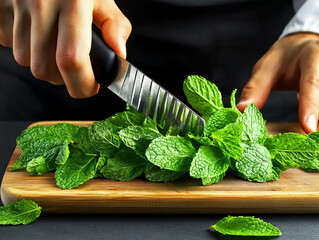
<point>309,93</point>
<point>260,84</point>
<point>115,27</point>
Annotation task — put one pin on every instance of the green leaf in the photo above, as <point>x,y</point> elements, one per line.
<point>219,120</point>
<point>101,162</point>
<point>126,118</point>
<point>245,226</point>
<point>50,142</point>
<point>228,140</point>
<point>202,95</point>
<point>254,127</point>
<point>314,136</point>
<point>138,138</point>
<point>104,137</point>
<point>212,180</point>
<point>200,139</point>
<point>312,165</point>
<point>83,142</point>
<point>290,150</point>
<point>233,101</point>
<point>171,152</point>
<point>21,212</point>
<point>77,170</point>
<point>155,174</point>
<point>255,165</point>
<point>173,131</point>
<point>38,166</point>
<point>124,166</point>
<point>209,162</point>
<point>150,123</point>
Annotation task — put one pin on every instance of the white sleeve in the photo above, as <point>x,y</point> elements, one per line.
<point>306,18</point>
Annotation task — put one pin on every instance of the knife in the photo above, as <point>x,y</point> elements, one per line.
<point>140,91</point>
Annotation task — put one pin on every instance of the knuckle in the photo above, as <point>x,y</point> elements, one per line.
<point>36,4</point>
<point>126,24</point>
<point>19,3</point>
<point>69,62</point>
<point>39,70</point>
<point>57,83</point>
<point>258,65</point>
<point>313,82</point>
<point>81,95</point>
<point>20,58</point>
<point>6,42</point>
<point>250,87</point>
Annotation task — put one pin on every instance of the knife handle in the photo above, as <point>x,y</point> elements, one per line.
<point>104,61</point>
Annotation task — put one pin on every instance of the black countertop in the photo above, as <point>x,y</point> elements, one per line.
<point>135,226</point>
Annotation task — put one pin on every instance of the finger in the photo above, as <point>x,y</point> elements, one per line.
<point>115,27</point>
<point>6,23</point>
<point>264,77</point>
<point>73,48</point>
<point>309,91</point>
<point>43,41</point>
<point>21,33</point>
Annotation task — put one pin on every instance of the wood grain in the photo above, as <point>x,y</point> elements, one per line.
<point>295,192</point>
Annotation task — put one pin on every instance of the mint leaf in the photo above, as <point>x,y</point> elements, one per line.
<point>150,123</point>
<point>21,212</point>
<point>77,170</point>
<point>254,127</point>
<point>155,174</point>
<point>173,131</point>
<point>245,226</point>
<point>101,162</point>
<point>201,140</point>
<point>138,138</point>
<point>126,118</point>
<point>313,164</point>
<point>314,136</point>
<point>82,141</point>
<point>103,136</point>
<point>255,164</point>
<point>38,166</point>
<point>233,101</point>
<point>124,166</point>
<point>209,162</point>
<point>211,180</point>
<point>228,140</point>
<point>291,150</point>
<point>219,120</point>
<point>202,95</point>
<point>171,152</point>
<point>50,142</point>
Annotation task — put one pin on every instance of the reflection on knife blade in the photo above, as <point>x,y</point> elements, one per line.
<point>142,93</point>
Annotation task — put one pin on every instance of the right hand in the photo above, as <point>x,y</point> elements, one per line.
<point>54,37</point>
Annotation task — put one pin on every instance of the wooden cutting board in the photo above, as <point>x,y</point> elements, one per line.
<point>295,192</point>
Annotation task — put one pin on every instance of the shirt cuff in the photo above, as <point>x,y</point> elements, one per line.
<point>305,20</point>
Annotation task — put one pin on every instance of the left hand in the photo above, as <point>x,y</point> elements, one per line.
<point>292,63</point>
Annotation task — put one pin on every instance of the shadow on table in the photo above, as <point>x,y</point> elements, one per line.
<point>220,236</point>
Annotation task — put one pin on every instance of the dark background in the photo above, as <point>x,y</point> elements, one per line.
<point>220,40</point>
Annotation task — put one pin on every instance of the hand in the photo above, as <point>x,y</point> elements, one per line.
<point>292,63</point>
<point>53,37</point>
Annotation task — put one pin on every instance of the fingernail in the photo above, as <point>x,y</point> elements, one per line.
<point>312,122</point>
<point>243,101</point>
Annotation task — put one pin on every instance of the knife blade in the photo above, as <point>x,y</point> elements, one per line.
<point>140,91</point>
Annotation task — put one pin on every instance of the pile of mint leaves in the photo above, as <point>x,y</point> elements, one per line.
<point>129,145</point>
